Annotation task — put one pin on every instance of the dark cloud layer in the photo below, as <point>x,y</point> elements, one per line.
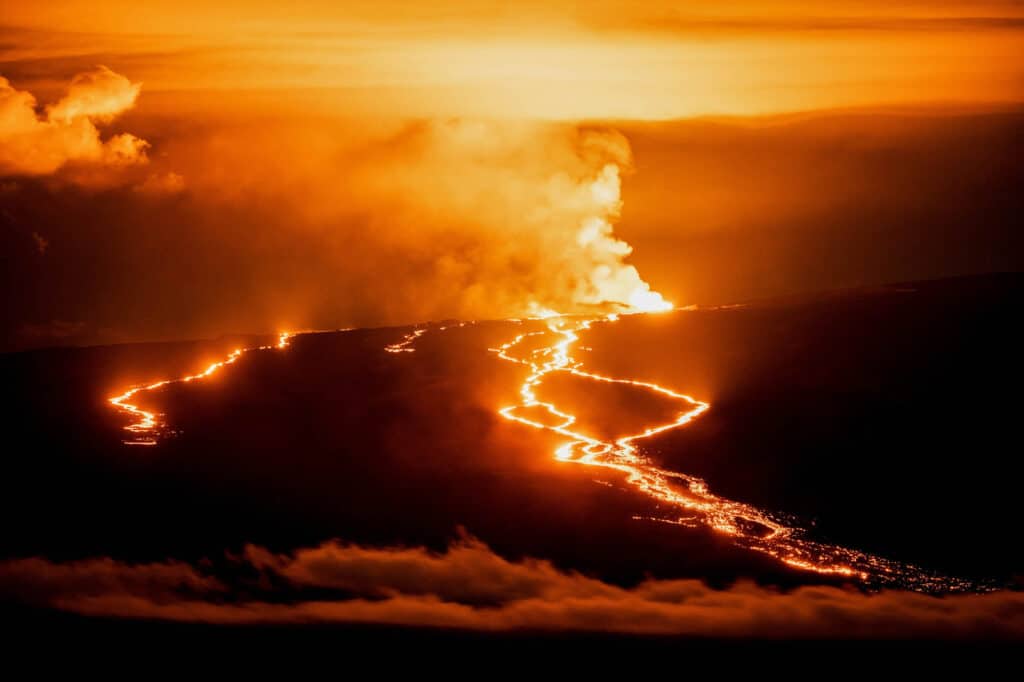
<point>470,587</point>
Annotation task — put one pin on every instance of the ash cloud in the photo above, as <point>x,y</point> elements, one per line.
<point>67,133</point>
<point>471,587</point>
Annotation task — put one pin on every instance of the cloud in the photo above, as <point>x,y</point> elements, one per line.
<point>471,587</point>
<point>34,145</point>
<point>42,581</point>
<point>468,573</point>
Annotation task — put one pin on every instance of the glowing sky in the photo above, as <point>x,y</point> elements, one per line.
<point>603,59</point>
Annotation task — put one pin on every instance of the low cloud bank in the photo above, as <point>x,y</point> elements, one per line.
<point>471,587</point>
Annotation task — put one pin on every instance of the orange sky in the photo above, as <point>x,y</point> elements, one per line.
<point>603,59</point>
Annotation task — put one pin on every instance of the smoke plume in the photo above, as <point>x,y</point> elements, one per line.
<point>540,201</point>
<point>325,222</point>
<point>443,218</point>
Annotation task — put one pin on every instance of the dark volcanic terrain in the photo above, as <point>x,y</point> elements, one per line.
<point>884,420</point>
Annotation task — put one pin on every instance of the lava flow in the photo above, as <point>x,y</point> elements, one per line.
<point>147,425</point>
<point>748,526</point>
<point>405,345</point>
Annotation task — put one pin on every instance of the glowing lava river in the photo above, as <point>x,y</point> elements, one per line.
<point>147,425</point>
<point>689,498</point>
<point>695,504</point>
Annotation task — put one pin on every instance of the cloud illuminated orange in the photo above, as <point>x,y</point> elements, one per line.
<point>471,587</point>
<point>68,133</point>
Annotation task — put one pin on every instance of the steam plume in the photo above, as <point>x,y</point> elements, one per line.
<point>611,280</point>
<point>473,219</point>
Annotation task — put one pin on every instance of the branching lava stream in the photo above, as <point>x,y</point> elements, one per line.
<point>747,526</point>
<point>147,425</point>
<point>693,503</point>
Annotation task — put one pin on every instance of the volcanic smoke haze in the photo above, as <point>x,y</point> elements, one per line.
<point>662,319</point>
<point>413,221</point>
<point>429,220</point>
<point>467,218</point>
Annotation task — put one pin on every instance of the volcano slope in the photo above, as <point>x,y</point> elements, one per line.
<point>876,420</point>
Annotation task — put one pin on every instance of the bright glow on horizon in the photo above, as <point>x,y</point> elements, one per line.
<point>541,60</point>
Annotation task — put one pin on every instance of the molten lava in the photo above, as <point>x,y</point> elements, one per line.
<point>750,527</point>
<point>147,425</point>
<point>405,345</point>
<point>746,525</point>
